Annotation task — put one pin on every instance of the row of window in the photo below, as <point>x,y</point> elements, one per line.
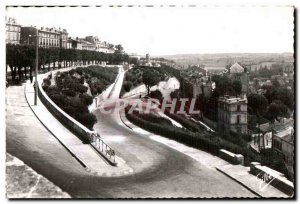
<point>13,36</point>
<point>13,28</point>
<point>227,119</point>
<point>49,35</point>
<point>288,160</point>
<point>49,42</point>
<point>227,107</point>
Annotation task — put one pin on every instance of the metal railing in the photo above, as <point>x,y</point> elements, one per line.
<point>103,148</point>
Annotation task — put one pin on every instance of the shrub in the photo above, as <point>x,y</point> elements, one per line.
<point>80,88</point>
<point>152,118</point>
<point>127,86</point>
<point>176,133</point>
<point>52,90</point>
<point>78,106</point>
<point>185,122</point>
<point>81,80</point>
<point>87,119</point>
<point>58,99</point>
<point>46,82</point>
<point>79,71</point>
<point>69,92</point>
<point>87,99</point>
<point>71,72</point>
<point>156,94</point>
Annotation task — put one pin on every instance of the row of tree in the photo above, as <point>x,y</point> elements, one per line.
<point>21,59</point>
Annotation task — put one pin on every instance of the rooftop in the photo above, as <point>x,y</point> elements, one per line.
<point>236,68</point>
<point>233,99</point>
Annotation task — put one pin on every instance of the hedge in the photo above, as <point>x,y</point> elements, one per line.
<point>209,142</point>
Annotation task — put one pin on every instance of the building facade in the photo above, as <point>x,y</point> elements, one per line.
<point>283,145</point>
<point>13,32</point>
<point>47,37</point>
<point>232,114</point>
<point>63,40</point>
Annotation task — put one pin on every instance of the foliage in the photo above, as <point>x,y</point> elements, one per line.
<point>127,85</point>
<point>209,142</point>
<point>277,109</point>
<point>152,118</point>
<point>149,79</point>
<point>21,56</point>
<point>280,93</point>
<point>257,103</point>
<point>97,77</point>
<point>237,86</point>
<point>156,94</point>
<point>188,124</point>
<point>70,95</point>
<point>87,99</point>
<point>225,86</point>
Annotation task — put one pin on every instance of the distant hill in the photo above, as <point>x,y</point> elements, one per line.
<point>223,59</point>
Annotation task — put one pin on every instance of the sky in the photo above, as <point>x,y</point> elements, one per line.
<point>173,30</point>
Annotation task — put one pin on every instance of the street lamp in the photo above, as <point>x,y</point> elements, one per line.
<point>36,66</point>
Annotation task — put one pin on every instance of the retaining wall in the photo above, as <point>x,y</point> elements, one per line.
<point>274,178</point>
<point>231,157</point>
<point>73,125</point>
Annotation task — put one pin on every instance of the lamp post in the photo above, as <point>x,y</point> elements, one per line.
<point>36,66</point>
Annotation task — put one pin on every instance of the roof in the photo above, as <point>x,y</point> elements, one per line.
<point>236,68</point>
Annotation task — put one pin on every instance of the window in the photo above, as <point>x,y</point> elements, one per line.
<point>238,119</point>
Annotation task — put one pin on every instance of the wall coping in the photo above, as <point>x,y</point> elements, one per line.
<point>40,81</point>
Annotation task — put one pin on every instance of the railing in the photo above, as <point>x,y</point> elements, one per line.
<point>103,148</point>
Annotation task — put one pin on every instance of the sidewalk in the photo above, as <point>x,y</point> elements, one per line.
<point>242,175</point>
<point>84,153</point>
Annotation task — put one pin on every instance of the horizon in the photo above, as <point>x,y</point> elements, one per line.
<point>225,53</point>
<point>172,31</point>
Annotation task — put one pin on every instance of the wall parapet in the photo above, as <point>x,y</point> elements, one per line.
<point>231,157</point>
<point>272,177</point>
<point>86,135</point>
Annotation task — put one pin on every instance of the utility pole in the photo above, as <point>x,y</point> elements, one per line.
<point>36,66</point>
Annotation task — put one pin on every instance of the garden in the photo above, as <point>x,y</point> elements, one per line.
<point>73,91</point>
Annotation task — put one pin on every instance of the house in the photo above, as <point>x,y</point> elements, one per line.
<point>194,83</point>
<point>283,144</point>
<point>232,114</point>
<point>237,72</point>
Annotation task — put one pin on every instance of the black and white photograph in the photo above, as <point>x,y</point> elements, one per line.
<point>141,101</point>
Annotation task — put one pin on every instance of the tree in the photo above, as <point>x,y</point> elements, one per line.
<point>223,85</point>
<point>119,47</point>
<point>149,79</point>
<point>237,86</point>
<point>127,85</point>
<point>258,103</point>
<point>277,109</point>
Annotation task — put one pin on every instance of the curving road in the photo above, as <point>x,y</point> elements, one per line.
<point>159,171</point>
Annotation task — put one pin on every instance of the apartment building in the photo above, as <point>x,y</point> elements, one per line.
<point>13,31</point>
<point>232,114</point>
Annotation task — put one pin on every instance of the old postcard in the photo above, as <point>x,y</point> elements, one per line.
<point>150,101</point>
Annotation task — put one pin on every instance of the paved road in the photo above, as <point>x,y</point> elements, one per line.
<point>160,171</point>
